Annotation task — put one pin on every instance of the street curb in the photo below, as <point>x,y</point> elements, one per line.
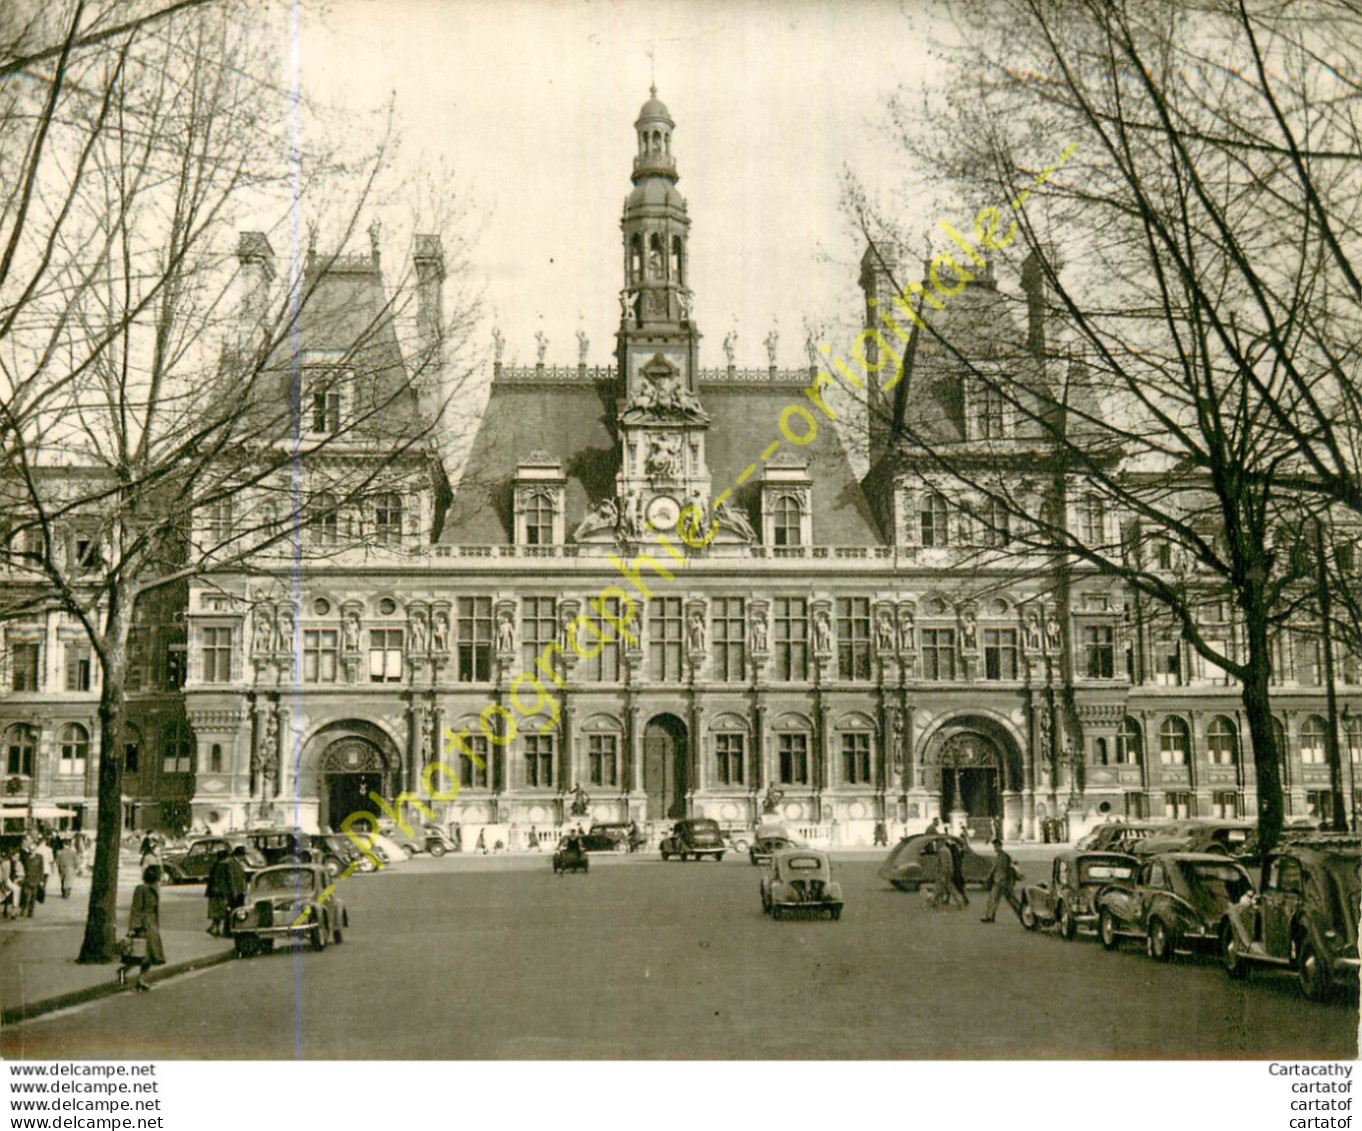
<point>32,1009</point>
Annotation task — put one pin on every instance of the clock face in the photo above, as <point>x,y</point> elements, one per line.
<point>663,512</point>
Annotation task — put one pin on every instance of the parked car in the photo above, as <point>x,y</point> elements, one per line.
<point>1068,898</point>
<point>766,844</point>
<point>913,861</point>
<point>570,856</point>
<point>798,881</point>
<point>424,838</point>
<point>284,902</point>
<point>336,852</point>
<point>1227,838</point>
<point>694,839</point>
<point>1306,916</point>
<point>613,836</point>
<point>1179,899</point>
<point>192,865</point>
<point>282,845</point>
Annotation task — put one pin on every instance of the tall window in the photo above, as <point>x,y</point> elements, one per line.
<point>1129,744</point>
<point>21,740</point>
<point>602,755</point>
<point>933,521</point>
<point>728,752</point>
<point>1224,805</point>
<point>475,774</point>
<point>320,649</point>
<point>539,521</point>
<point>385,655</point>
<point>853,637</point>
<point>215,759</point>
<point>475,640</point>
<point>791,651</point>
<point>999,521</point>
<point>1353,731</point>
<point>326,410</point>
<point>132,750</point>
<point>856,757</point>
<point>1177,805</point>
<point>77,667</point>
<point>665,638</point>
<point>1099,651</point>
<point>538,628</point>
<point>794,759</point>
<point>1000,653</point>
<point>1222,742</point>
<point>1279,739</point>
<point>539,761</point>
<point>938,653</point>
<point>602,637</point>
<point>217,521</point>
<point>989,413</point>
<point>1309,656</point>
<point>388,518</point>
<point>177,748</point>
<point>137,660</point>
<point>1312,741</point>
<point>325,530</point>
<point>85,548</point>
<point>1092,516</point>
<point>217,655</point>
<point>1174,742</point>
<point>789,522</point>
<point>728,623</point>
<point>75,748</point>
<point>24,667</point>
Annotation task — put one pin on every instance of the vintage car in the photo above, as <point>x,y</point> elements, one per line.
<point>694,839</point>
<point>1306,916</point>
<point>286,901</point>
<point>798,881</point>
<point>193,864</point>
<point>1179,900</point>
<point>1069,898</point>
<point>612,836</point>
<point>913,861</point>
<point>570,856</point>
<point>423,838</point>
<point>336,852</point>
<point>766,843</point>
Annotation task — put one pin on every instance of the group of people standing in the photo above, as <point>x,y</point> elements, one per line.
<point>24,872</point>
<point>950,878</point>
<point>226,890</point>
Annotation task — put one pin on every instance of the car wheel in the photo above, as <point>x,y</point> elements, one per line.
<point>622,846</point>
<point>247,946</point>
<point>1106,929</point>
<point>1028,916</point>
<point>408,851</point>
<point>1068,926</point>
<point>777,912</point>
<point>1312,972</point>
<point>718,856</point>
<point>666,855</point>
<point>1160,941</point>
<point>321,935</point>
<point>437,849</point>
<point>332,865</point>
<point>836,913</point>
<point>1235,966</point>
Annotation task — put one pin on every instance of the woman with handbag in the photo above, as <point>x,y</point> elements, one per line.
<point>143,944</point>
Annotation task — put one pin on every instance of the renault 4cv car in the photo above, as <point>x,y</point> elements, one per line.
<point>1306,916</point>
<point>694,839</point>
<point>1068,899</point>
<point>914,861</point>
<point>570,856</point>
<point>289,901</point>
<point>798,881</point>
<point>1179,900</point>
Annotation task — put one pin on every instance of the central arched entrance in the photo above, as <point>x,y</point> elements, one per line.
<point>971,776</point>
<point>666,767</point>
<point>351,770</point>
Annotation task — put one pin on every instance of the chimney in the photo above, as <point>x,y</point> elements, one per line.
<point>1034,286</point>
<point>428,258</point>
<point>256,259</point>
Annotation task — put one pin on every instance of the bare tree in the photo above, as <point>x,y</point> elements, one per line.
<point>168,406</point>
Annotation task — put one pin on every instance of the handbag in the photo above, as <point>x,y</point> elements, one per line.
<point>132,947</point>
<point>41,894</point>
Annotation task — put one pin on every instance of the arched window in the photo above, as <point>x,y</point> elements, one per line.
<point>1100,751</point>
<point>388,518</point>
<point>933,521</point>
<point>1312,741</point>
<point>75,748</point>
<point>177,748</point>
<point>21,740</point>
<point>789,522</point>
<point>635,259</point>
<point>539,521</point>
<point>1222,742</point>
<point>215,759</point>
<point>654,256</point>
<point>1174,742</point>
<point>1129,745</point>
<point>1353,730</point>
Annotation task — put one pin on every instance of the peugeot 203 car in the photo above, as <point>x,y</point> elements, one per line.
<point>694,839</point>
<point>1068,899</point>
<point>289,901</point>
<point>798,881</point>
<point>914,861</point>
<point>1306,916</point>
<point>1179,900</point>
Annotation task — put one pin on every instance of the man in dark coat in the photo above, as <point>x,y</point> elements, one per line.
<point>35,879</point>
<point>219,893</point>
<point>1000,884</point>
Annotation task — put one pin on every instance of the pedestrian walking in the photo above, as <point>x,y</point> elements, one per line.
<point>11,882</point>
<point>34,890</point>
<point>935,827</point>
<point>949,877</point>
<point>1001,882</point>
<point>151,853</point>
<point>481,846</point>
<point>144,922</point>
<point>66,867</point>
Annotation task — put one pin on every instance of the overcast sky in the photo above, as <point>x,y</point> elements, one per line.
<point>531,103</point>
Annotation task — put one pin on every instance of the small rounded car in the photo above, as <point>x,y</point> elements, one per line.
<point>694,839</point>
<point>798,881</point>
<point>914,861</point>
<point>193,864</point>
<point>570,856</point>
<point>1068,900</point>
<point>1179,901</point>
<point>289,901</point>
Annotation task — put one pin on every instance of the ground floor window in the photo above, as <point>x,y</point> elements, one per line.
<point>728,751</point>
<point>1320,803</point>
<point>539,761</point>
<point>856,758</point>
<point>1134,805</point>
<point>1224,804</point>
<point>603,755</point>
<point>474,774</point>
<point>1177,805</point>
<point>794,759</point>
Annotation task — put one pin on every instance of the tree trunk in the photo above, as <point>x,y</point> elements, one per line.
<point>101,919</point>
<point>1258,709</point>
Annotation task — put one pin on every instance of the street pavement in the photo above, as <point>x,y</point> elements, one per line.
<point>477,957</point>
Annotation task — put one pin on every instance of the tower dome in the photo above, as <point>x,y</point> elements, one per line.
<point>654,127</point>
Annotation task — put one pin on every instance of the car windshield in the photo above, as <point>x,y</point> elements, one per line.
<point>1094,871</point>
<point>1232,836</point>
<point>1224,880</point>
<point>284,880</point>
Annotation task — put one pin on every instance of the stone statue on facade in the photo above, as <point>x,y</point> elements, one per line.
<point>771,339</point>
<point>283,632</point>
<point>439,633</point>
<point>969,631</point>
<point>1031,634</point>
<point>822,632</point>
<point>730,343</point>
<point>1053,639</point>
<point>581,803</point>
<point>498,344</point>
<point>541,345</point>
<point>683,301</point>
<point>664,456</point>
<point>625,311</point>
<point>760,639</point>
<point>352,632</point>
<point>582,346</point>
<point>697,631</point>
<point>735,520</point>
<point>505,633</point>
<point>263,631</point>
<point>418,634</point>
<point>771,799</point>
<point>603,516</point>
<point>907,640</point>
<point>268,746</point>
<point>884,634</point>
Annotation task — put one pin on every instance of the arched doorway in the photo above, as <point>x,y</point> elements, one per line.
<point>666,767</point>
<point>351,769</point>
<point>971,775</point>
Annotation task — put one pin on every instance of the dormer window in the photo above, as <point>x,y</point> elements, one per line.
<point>539,521</point>
<point>323,404</point>
<point>786,516</point>
<point>539,489</point>
<point>932,520</point>
<point>789,522</point>
<point>326,406</point>
<point>388,519</point>
<point>988,413</point>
